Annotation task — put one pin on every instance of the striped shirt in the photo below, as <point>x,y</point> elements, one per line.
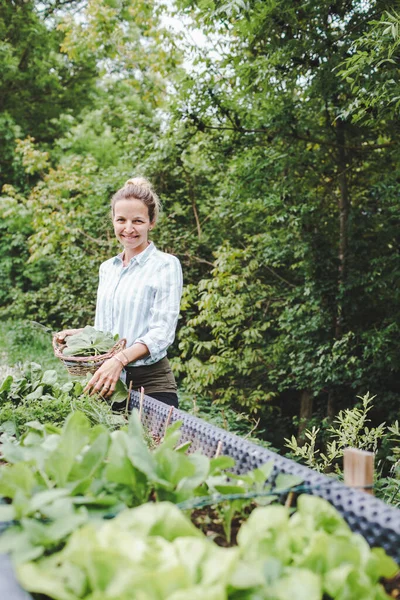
<point>141,301</point>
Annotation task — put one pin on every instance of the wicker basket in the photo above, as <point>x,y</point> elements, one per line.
<point>81,365</point>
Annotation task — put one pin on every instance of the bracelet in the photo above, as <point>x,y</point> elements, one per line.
<point>124,355</point>
<point>119,360</point>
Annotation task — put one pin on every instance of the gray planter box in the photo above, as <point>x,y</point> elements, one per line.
<point>377,522</point>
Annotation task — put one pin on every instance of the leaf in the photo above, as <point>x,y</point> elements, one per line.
<point>266,534</point>
<point>206,563</point>
<point>41,499</point>
<point>319,514</point>
<point>16,478</point>
<point>8,427</point>
<point>299,584</point>
<point>45,578</point>
<point>380,565</point>
<point>88,342</point>
<point>83,471</point>
<point>138,451</point>
<point>201,469</point>
<point>7,513</point>
<point>200,592</point>
<point>75,435</point>
<point>120,392</point>
<point>6,385</point>
<point>285,481</point>
<point>220,463</point>
<point>15,541</point>
<point>160,519</point>
<point>36,394</point>
<point>119,469</point>
<point>50,377</point>
<point>48,534</point>
<point>347,582</point>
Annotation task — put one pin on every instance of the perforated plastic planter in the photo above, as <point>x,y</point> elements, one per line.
<point>375,520</point>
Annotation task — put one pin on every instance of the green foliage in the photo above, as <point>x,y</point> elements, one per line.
<point>61,484</point>
<point>276,556</point>
<point>388,483</point>
<point>38,83</point>
<point>88,342</point>
<point>275,152</point>
<point>372,71</point>
<point>23,341</point>
<point>43,396</point>
<point>86,472</point>
<point>351,429</point>
<point>307,195</point>
<point>225,417</point>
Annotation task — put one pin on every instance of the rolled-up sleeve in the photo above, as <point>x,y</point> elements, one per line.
<point>164,311</point>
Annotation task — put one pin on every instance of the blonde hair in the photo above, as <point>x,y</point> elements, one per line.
<point>139,188</point>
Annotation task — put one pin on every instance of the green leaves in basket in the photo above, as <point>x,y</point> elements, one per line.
<point>89,342</point>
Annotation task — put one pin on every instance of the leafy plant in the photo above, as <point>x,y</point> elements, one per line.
<point>278,557</point>
<point>35,394</point>
<point>89,342</point>
<point>348,430</point>
<point>83,472</point>
<point>351,429</point>
<point>387,485</point>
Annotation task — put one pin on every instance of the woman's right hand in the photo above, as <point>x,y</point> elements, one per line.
<point>61,335</point>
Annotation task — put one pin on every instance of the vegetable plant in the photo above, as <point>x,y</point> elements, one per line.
<point>308,556</point>
<point>89,342</point>
<point>81,472</point>
<point>39,395</point>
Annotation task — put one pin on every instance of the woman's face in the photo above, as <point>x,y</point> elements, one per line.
<point>131,225</point>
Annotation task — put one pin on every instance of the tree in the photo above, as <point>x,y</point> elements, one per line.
<point>38,83</point>
<point>68,183</point>
<point>273,89</point>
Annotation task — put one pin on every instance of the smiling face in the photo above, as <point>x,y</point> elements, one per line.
<point>131,226</point>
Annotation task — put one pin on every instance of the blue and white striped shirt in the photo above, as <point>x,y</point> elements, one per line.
<point>141,301</point>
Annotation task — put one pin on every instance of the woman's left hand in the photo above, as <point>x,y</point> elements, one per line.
<point>105,379</point>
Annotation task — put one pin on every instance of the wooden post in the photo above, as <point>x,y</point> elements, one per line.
<point>358,467</point>
<point>141,403</point>
<point>219,449</point>
<point>127,399</point>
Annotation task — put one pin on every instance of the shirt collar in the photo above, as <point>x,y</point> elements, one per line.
<point>139,258</point>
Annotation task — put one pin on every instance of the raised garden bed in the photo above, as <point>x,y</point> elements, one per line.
<point>378,523</point>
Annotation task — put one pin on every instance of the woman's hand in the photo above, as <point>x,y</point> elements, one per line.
<point>61,335</point>
<point>105,379</point>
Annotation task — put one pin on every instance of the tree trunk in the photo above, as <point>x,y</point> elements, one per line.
<point>331,408</point>
<point>306,407</point>
<point>344,209</point>
<point>344,206</point>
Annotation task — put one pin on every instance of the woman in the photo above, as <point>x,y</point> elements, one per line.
<point>138,297</point>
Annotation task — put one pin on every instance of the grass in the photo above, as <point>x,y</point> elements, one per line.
<point>23,342</point>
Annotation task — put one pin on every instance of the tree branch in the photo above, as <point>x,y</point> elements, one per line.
<point>362,148</point>
<point>200,260</point>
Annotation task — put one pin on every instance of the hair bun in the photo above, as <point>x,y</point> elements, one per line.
<point>141,182</point>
